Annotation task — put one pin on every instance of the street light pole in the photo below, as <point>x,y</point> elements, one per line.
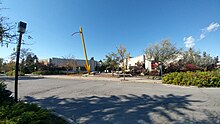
<point>17,67</point>
<point>21,30</point>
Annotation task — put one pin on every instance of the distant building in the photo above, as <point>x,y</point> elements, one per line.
<point>178,57</point>
<point>44,61</point>
<point>139,59</point>
<point>76,64</point>
<point>147,64</point>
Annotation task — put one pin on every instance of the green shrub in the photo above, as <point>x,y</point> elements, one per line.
<point>5,95</point>
<point>39,73</point>
<point>24,113</point>
<point>12,73</point>
<point>200,79</point>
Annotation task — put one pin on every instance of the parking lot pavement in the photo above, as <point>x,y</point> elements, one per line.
<point>94,77</point>
<point>99,101</point>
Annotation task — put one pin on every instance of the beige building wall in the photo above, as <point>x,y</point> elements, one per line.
<point>142,59</point>
<point>76,63</point>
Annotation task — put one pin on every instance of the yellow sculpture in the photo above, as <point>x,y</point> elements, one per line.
<point>87,66</point>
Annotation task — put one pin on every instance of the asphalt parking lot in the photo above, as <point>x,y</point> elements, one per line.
<point>114,101</point>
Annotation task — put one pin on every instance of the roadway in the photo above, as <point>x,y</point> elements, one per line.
<point>115,101</point>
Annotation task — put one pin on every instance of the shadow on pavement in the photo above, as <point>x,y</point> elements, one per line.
<point>129,109</point>
<point>213,117</point>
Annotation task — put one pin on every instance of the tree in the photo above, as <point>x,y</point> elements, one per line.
<point>207,61</point>
<point>102,66</point>
<point>191,56</point>
<point>8,33</point>
<point>70,62</point>
<point>28,60</point>
<point>123,56</point>
<point>216,61</point>
<point>111,61</point>
<point>24,53</point>
<point>162,52</point>
<point>30,64</point>
<point>8,66</point>
<point>1,64</point>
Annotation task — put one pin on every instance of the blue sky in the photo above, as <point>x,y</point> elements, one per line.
<point>109,23</point>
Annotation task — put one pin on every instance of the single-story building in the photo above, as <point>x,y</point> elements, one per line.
<point>133,61</point>
<point>75,64</point>
<point>147,64</point>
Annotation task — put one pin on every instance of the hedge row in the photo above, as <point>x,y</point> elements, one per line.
<point>200,79</point>
<point>47,72</point>
<point>12,73</point>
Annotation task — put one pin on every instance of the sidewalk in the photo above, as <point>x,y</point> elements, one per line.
<point>93,77</point>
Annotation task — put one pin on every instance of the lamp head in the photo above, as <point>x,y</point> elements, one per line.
<point>22,27</point>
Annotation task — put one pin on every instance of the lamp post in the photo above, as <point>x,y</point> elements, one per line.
<point>21,29</point>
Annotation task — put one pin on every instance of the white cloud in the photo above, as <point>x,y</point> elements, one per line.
<point>211,28</point>
<point>189,42</point>
<point>202,36</point>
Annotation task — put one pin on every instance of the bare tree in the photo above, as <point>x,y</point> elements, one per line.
<point>7,36</point>
<point>24,53</point>
<point>123,56</point>
<point>70,62</point>
<point>8,33</point>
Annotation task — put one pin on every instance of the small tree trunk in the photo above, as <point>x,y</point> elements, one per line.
<point>112,71</point>
<point>124,75</point>
<point>124,70</point>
